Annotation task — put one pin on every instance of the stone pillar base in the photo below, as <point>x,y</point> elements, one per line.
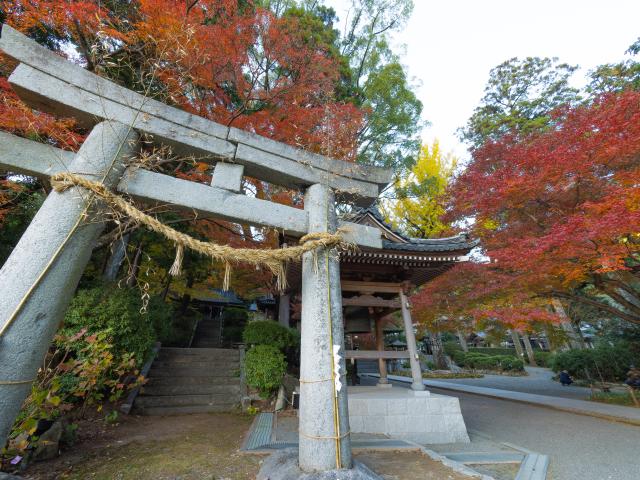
<point>420,393</point>
<point>283,465</point>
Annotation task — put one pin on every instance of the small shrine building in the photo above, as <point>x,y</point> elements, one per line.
<point>376,282</point>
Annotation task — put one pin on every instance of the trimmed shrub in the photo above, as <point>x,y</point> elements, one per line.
<point>267,332</point>
<point>489,362</point>
<point>117,311</point>
<point>451,348</point>
<point>264,367</point>
<point>511,364</point>
<point>605,362</point>
<point>494,351</point>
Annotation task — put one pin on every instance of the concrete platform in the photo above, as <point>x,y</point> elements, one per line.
<point>404,414</point>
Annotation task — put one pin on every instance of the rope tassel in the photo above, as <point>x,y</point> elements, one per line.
<point>227,277</point>
<point>176,268</point>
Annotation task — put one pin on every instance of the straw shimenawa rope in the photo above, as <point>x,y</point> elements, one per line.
<point>274,259</point>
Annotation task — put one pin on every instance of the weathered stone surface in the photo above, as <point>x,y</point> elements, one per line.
<point>52,84</point>
<point>322,331</point>
<point>400,413</point>
<point>49,443</point>
<point>31,158</point>
<point>416,372</point>
<point>381,176</point>
<point>35,288</point>
<point>20,155</point>
<point>283,465</point>
<point>227,176</point>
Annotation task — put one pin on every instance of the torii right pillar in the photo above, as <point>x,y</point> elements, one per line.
<point>416,372</point>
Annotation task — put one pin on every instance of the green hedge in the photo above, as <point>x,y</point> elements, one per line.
<point>451,347</point>
<point>117,310</point>
<point>265,366</point>
<point>606,362</point>
<point>268,332</point>
<point>494,351</point>
<point>481,361</point>
<point>543,359</point>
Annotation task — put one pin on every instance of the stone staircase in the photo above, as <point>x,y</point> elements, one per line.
<point>208,333</point>
<point>191,380</point>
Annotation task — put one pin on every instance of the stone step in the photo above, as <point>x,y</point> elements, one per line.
<point>188,381</point>
<point>206,355</point>
<point>217,364</point>
<point>206,343</point>
<point>186,371</point>
<point>175,351</point>
<point>208,329</point>
<point>227,407</point>
<point>145,401</point>
<point>230,389</point>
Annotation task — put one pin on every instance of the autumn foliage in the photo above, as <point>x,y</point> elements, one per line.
<point>554,211</point>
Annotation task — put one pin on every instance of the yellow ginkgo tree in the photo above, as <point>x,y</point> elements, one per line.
<point>418,203</point>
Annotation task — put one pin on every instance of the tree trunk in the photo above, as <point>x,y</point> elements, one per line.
<point>517,345</point>
<point>574,340</point>
<point>463,341</point>
<point>438,351</point>
<point>529,349</point>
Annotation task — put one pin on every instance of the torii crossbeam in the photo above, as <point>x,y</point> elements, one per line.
<point>39,278</point>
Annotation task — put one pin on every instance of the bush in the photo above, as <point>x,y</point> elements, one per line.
<point>543,359</point>
<point>511,364</point>
<point>267,332</point>
<point>80,371</point>
<point>489,362</point>
<point>494,351</point>
<point>605,362</point>
<point>264,368</point>
<point>117,312</point>
<point>451,348</point>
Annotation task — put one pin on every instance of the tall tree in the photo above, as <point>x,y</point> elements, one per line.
<point>379,84</point>
<point>615,77</point>
<point>419,204</point>
<point>556,211</point>
<point>519,98</point>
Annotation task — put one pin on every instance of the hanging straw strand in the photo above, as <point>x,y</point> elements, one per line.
<point>274,259</point>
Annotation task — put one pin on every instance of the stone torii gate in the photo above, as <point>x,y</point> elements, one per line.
<point>39,278</point>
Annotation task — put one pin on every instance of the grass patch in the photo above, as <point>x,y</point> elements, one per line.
<point>615,398</point>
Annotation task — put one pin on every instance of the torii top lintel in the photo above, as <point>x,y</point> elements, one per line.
<point>52,84</point>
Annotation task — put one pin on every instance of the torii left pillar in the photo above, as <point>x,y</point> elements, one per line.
<point>39,279</point>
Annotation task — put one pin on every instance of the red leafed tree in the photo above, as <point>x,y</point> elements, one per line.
<point>231,61</point>
<point>558,214</point>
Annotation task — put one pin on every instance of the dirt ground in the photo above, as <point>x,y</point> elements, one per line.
<point>186,447</point>
<point>194,447</point>
<point>407,465</point>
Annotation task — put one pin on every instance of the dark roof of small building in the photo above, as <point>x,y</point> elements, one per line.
<point>398,241</point>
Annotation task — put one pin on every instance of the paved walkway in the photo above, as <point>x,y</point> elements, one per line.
<point>538,381</point>
<point>582,407</point>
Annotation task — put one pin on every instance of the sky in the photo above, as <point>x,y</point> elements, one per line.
<point>450,47</point>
